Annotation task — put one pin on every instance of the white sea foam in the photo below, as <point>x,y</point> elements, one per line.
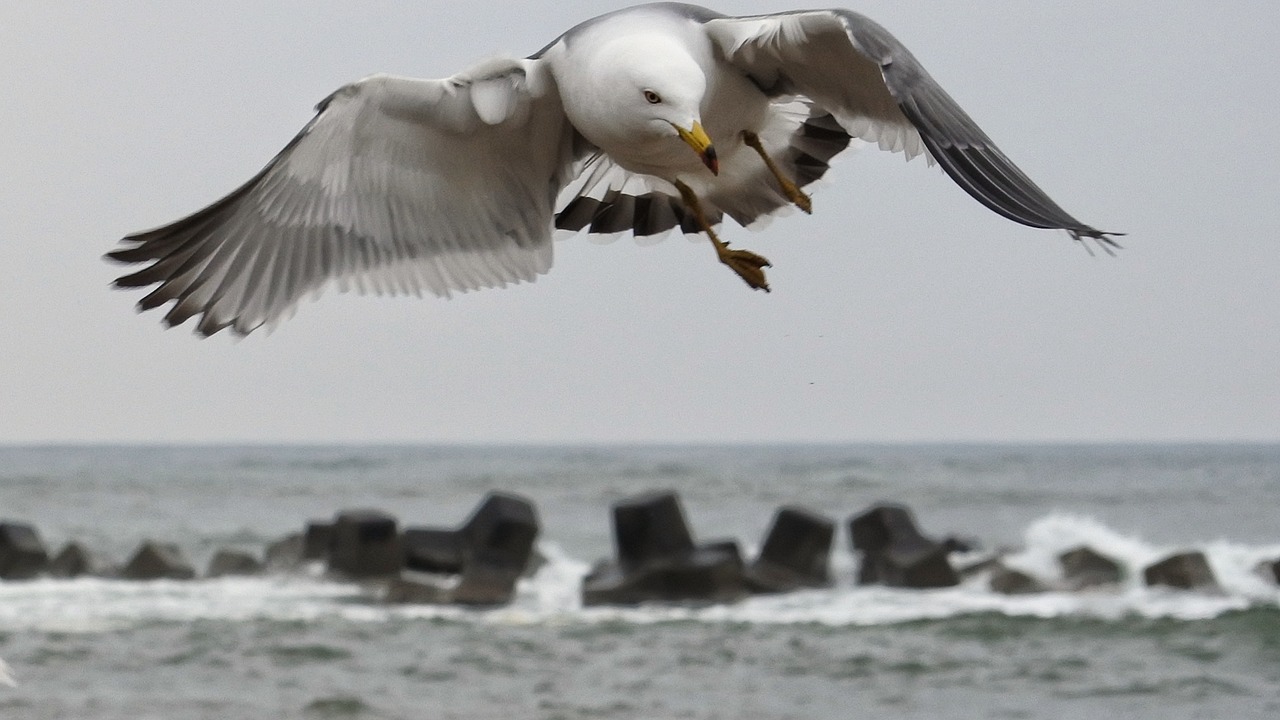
<point>1233,564</point>
<point>552,596</point>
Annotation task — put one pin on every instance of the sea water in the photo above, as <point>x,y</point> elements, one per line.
<point>303,646</point>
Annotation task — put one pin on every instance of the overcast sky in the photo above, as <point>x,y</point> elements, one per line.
<point>902,310</point>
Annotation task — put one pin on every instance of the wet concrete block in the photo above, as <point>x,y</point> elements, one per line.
<point>1084,567</point>
<point>433,550</point>
<point>485,585</point>
<point>895,552</point>
<point>75,560</point>
<point>286,553</point>
<point>880,527</point>
<point>650,527</point>
<point>317,538</point>
<point>478,563</point>
<point>1185,571</point>
<point>919,568</point>
<point>1007,581</point>
<point>500,534</point>
<point>657,561</point>
<point>22,552</point>
<point>497,548</point>
<point>713,573</point>
<point>157,561</point>
<point>233,562</point>
<point>796,552</point>
<point>366,544</point>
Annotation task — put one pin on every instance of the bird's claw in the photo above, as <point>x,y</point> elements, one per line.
<point>748,265</point>
<point>798,197</point>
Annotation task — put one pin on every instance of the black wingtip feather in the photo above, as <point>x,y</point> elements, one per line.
<point>1025,204</point>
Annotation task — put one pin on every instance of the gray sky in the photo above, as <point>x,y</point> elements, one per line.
<point>902,310</point>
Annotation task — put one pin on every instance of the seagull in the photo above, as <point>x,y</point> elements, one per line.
<point>642,121</point>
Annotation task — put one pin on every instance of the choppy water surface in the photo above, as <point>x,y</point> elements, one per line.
<point>305,647</point>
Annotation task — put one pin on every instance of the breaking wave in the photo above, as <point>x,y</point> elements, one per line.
<point>551,596</point>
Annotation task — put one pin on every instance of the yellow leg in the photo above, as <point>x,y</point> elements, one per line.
<point>748,265</point>
<point>789,188</point>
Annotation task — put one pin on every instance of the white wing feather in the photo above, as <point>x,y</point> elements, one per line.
<point>811,54</point>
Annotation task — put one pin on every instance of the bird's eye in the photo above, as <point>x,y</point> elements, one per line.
<point>652,97</point>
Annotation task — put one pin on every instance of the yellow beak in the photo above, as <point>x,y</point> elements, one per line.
<point>698,139</point>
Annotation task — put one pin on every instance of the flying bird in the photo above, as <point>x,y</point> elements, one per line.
<point>642,121</point>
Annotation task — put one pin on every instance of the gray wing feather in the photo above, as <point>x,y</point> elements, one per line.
<point>876,88</point>
<point>396,186</point>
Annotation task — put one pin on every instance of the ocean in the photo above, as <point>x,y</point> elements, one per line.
<point>302,646</point>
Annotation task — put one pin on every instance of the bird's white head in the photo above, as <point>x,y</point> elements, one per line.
<point>643,105</point>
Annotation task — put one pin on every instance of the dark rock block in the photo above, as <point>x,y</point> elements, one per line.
<point>233,562</point>
<point>366,544</point>
<point>1007,581</point>
<point>500,534</point>
<point>1085,568</point>
<point>497,548</point>
<point>658,562</point>
<point>155,561</point>
<point>286,553</point>
<point>485,585</point>
<point>316,540</point>
<point>433,550</point>
<point>75,560</point>
<point>650,527</point>
<point>795,553</point>
<point>713,573</point>
<point>895,553</point>
<point>70,562</point>
<point>22,553</point>
<point>885,527</point>
<point>1186,571</point>
<point>488,554</point>
<point>916,568</point>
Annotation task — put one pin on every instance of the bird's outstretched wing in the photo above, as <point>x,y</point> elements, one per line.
<point>397,185</point>
<point>879,92</point>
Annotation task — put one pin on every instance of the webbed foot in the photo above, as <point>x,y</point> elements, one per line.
<point>748,265</point>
